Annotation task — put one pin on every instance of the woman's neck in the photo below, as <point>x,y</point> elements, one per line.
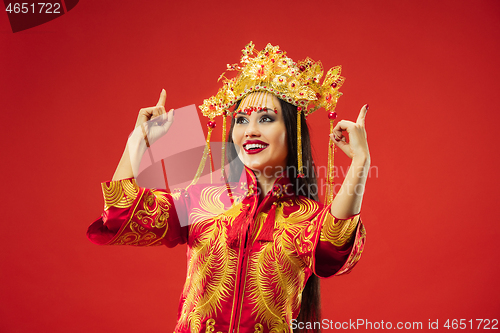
<point>265,183</point>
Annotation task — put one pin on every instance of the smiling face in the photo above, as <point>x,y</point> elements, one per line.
<point>259,133</point>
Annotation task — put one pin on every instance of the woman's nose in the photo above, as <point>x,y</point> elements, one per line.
<point>252,130</point>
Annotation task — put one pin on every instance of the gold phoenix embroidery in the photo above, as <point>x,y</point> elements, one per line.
<point>138,236</point>
<point>212,264</point>
<point>338,233</point>
<point>156,209</point>
<point>304,242</point>
<point>210,204</point>
<point>258,328</point>
<point>120,194</point>
<point>154,213</point>
<point>211,326</point>
<point>276,274</point>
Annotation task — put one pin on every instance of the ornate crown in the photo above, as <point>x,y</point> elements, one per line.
<point>272,71</point>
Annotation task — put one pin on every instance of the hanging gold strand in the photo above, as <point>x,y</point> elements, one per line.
<point>299,144</point>
<point>275,109</point>
<point>251,102</point>
<point>200,167</point>
<point>206,153</point>
<point>331,171</point>
<point>210,154</point>
<point>223,158</point>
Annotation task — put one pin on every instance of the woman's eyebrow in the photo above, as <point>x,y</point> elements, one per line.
<point>265,109</point>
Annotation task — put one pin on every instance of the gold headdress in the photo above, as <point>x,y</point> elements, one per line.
<point>270,70</point>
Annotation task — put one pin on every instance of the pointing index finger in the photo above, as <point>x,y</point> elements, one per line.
<point>163,98</point>
<point>362,114</point>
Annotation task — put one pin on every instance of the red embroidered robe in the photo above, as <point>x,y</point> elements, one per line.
<point>255,284</point>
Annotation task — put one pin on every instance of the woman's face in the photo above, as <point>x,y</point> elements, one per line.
<point>259,133</point>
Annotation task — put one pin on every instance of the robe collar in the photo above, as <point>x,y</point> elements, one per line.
<point>261,230</point>
<point>282,186</point>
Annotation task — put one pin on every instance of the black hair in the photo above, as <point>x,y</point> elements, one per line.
<point>310,308</point>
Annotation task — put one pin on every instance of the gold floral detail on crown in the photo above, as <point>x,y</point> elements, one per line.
<point>273,71</point>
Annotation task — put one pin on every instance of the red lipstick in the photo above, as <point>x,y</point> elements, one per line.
<point>254,146</point>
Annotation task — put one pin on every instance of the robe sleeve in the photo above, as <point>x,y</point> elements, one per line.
<point>331,246</point>
<point>139,216</point>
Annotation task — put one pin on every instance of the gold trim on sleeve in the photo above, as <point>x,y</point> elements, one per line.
<point>356,252</point>
<point>119,194</point>
<point>338,233</point>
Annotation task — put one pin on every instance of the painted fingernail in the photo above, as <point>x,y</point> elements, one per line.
<point>366,107</point>
<point>337,139</point>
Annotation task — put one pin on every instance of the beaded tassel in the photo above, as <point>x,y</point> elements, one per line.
<point>266,234</point>
<point>330,169</point>
<point>206,152</point>
<point>211,165</point>
<point>223,159</point>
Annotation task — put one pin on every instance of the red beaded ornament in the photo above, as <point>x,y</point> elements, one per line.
<point>332,115</point>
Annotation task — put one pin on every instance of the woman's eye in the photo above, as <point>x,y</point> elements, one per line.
<point>266,119</point>
<point>241,120</point>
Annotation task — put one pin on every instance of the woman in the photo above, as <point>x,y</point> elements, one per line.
<point>253,246</point>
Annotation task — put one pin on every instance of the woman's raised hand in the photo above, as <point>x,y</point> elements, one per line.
<point>357,147</point>
<point>152,123</point>
<point>155,121</point>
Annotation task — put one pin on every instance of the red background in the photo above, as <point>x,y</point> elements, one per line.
<point>70,92</point>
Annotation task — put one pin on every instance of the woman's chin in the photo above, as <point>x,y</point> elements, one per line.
<point>254,166</point>
<point>265,169</point>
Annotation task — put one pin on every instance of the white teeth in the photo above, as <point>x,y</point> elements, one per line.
<point>254,146</point>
